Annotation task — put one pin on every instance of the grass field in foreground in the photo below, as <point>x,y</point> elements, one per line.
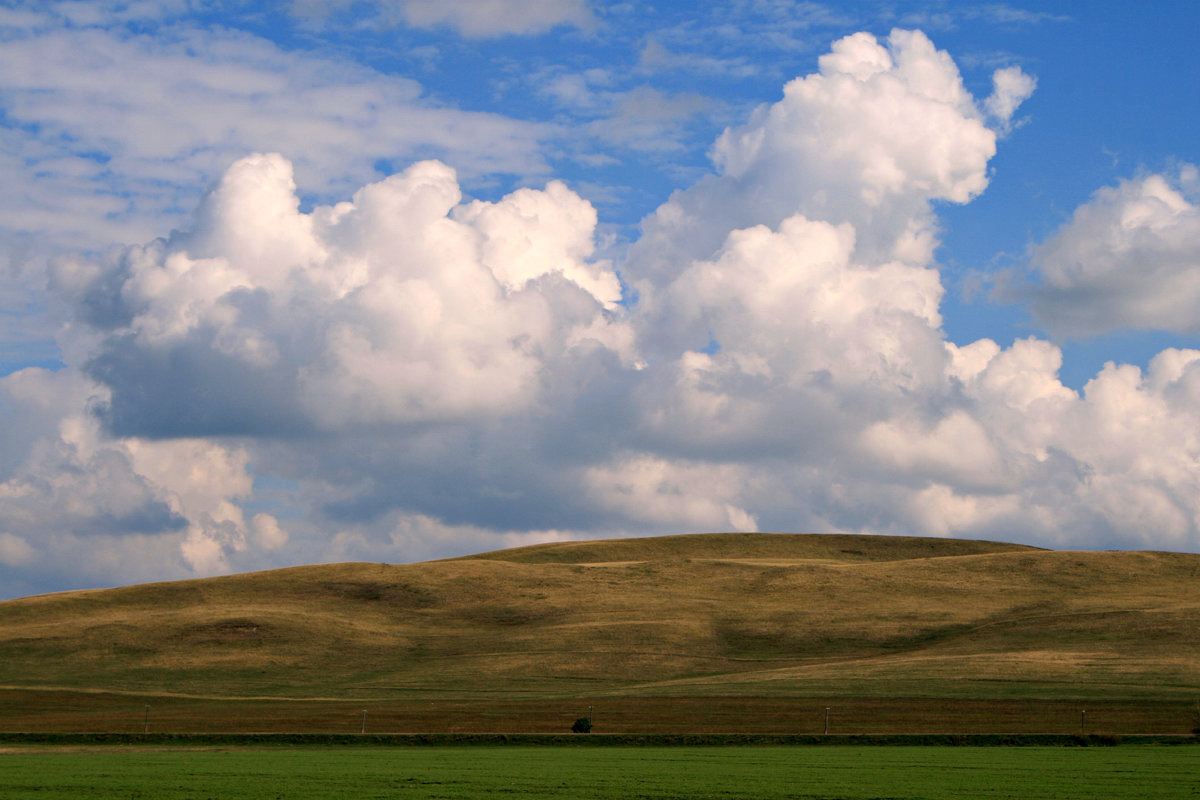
<point>831,773</point>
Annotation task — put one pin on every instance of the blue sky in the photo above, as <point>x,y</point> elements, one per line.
<point>398,279</point>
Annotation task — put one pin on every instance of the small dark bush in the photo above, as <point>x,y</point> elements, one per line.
<point>582,725</point>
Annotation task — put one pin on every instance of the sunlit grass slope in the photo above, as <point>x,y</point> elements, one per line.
<point>721,614</point>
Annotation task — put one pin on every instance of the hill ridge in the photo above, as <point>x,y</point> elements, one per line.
<point>872,547</point>
<point>753,614</point>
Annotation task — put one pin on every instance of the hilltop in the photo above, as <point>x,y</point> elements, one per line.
<point>749,614</point>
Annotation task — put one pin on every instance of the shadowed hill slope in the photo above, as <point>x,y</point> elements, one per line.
<point>752,614</point>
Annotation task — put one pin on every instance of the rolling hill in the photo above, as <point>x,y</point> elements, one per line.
<point>728,615</point>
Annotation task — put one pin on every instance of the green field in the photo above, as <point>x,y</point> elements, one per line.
<point>828,773</point>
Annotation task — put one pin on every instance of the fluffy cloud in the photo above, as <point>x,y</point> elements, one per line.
<point>1116,464</point>
<point>816,311</point>
<point>644,489</point>
<point>403,323</point>
<point>115,116</point>
<point>869,140</point>
<point>813,361</point>
<point>77,490</point>
<point>1129,258</point>
<point>805,343</point>
<point>401,306</point>
<point>1011,88</point>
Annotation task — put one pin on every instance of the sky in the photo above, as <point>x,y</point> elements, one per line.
<point>392,280</point>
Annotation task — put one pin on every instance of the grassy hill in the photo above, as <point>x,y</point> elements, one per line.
<point>753,615</point>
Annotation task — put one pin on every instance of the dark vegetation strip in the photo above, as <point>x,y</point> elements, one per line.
<point>80,712</point>
<point>587,740</point>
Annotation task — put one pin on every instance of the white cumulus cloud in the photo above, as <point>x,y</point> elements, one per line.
<point>118,509</point>
<point>880,131</point>
<point>401,305</point>
<point>1129,258</point>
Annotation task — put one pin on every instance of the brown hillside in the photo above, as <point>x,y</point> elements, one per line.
<point>744,614</point>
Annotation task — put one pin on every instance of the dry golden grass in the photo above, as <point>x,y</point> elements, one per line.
<point>712,615</point>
